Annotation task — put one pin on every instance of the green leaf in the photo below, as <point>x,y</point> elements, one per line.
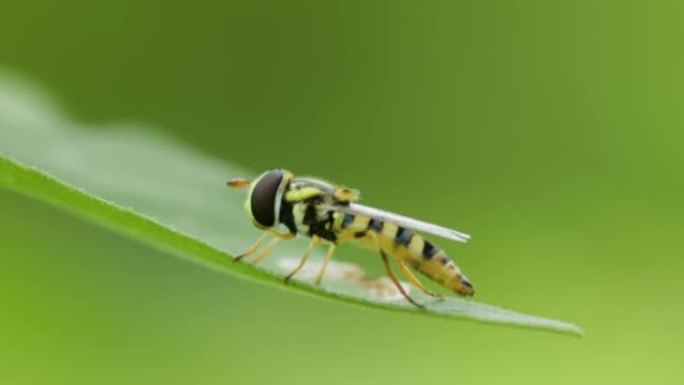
<point>133,181</point>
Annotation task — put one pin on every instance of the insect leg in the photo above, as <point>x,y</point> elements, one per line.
<point>396,282</point>
<point>328,257</point>
<point>390,273</point>
<point>414,280</point>
<point>302,262</point>
<point>252,249</point>
<point>266,251</point>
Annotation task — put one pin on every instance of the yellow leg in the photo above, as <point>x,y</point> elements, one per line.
<point>396,282</point>
<point>328,257</point>
<point>267,250</point>
<point>390,273</point>
<point>302,262</point>
<point>252,249</point>
<point>415,280</point>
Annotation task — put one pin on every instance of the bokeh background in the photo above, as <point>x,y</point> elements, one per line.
<point>552,131</point>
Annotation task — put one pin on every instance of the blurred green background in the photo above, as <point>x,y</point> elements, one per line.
<point>550,131</point>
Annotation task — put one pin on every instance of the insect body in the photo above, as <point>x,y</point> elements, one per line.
<point>285,206</point>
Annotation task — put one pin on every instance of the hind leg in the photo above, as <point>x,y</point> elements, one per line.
<point>390,273</point>
<point>414,280</point>
<point>396,282</point>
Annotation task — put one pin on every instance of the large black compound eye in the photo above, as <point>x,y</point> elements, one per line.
<point>263,199</point>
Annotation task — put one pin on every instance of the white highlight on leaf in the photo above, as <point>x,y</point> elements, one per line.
<point>380,288</point>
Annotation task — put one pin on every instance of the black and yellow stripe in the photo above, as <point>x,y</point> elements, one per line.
<point>278,202</point>
<point>406,245</point>
<point>402,236</point>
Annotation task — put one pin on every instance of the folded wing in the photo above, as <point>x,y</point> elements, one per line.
<point>407,222</point>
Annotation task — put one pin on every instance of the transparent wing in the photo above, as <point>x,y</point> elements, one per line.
<point>319,183</point>
<point>410,223</point>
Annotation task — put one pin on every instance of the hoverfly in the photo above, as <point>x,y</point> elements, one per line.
<point>284,206</point>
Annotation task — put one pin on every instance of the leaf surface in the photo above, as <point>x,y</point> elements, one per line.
<point>134,181</point>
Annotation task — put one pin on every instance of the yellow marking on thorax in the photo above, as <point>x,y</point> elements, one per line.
<point>298,215</point>
<point>302,194</point>
<point>346,194</point>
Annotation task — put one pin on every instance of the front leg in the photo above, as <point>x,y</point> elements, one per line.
<point>254,247</point>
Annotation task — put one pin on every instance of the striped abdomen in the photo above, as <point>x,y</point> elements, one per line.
<point>405,245</point>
